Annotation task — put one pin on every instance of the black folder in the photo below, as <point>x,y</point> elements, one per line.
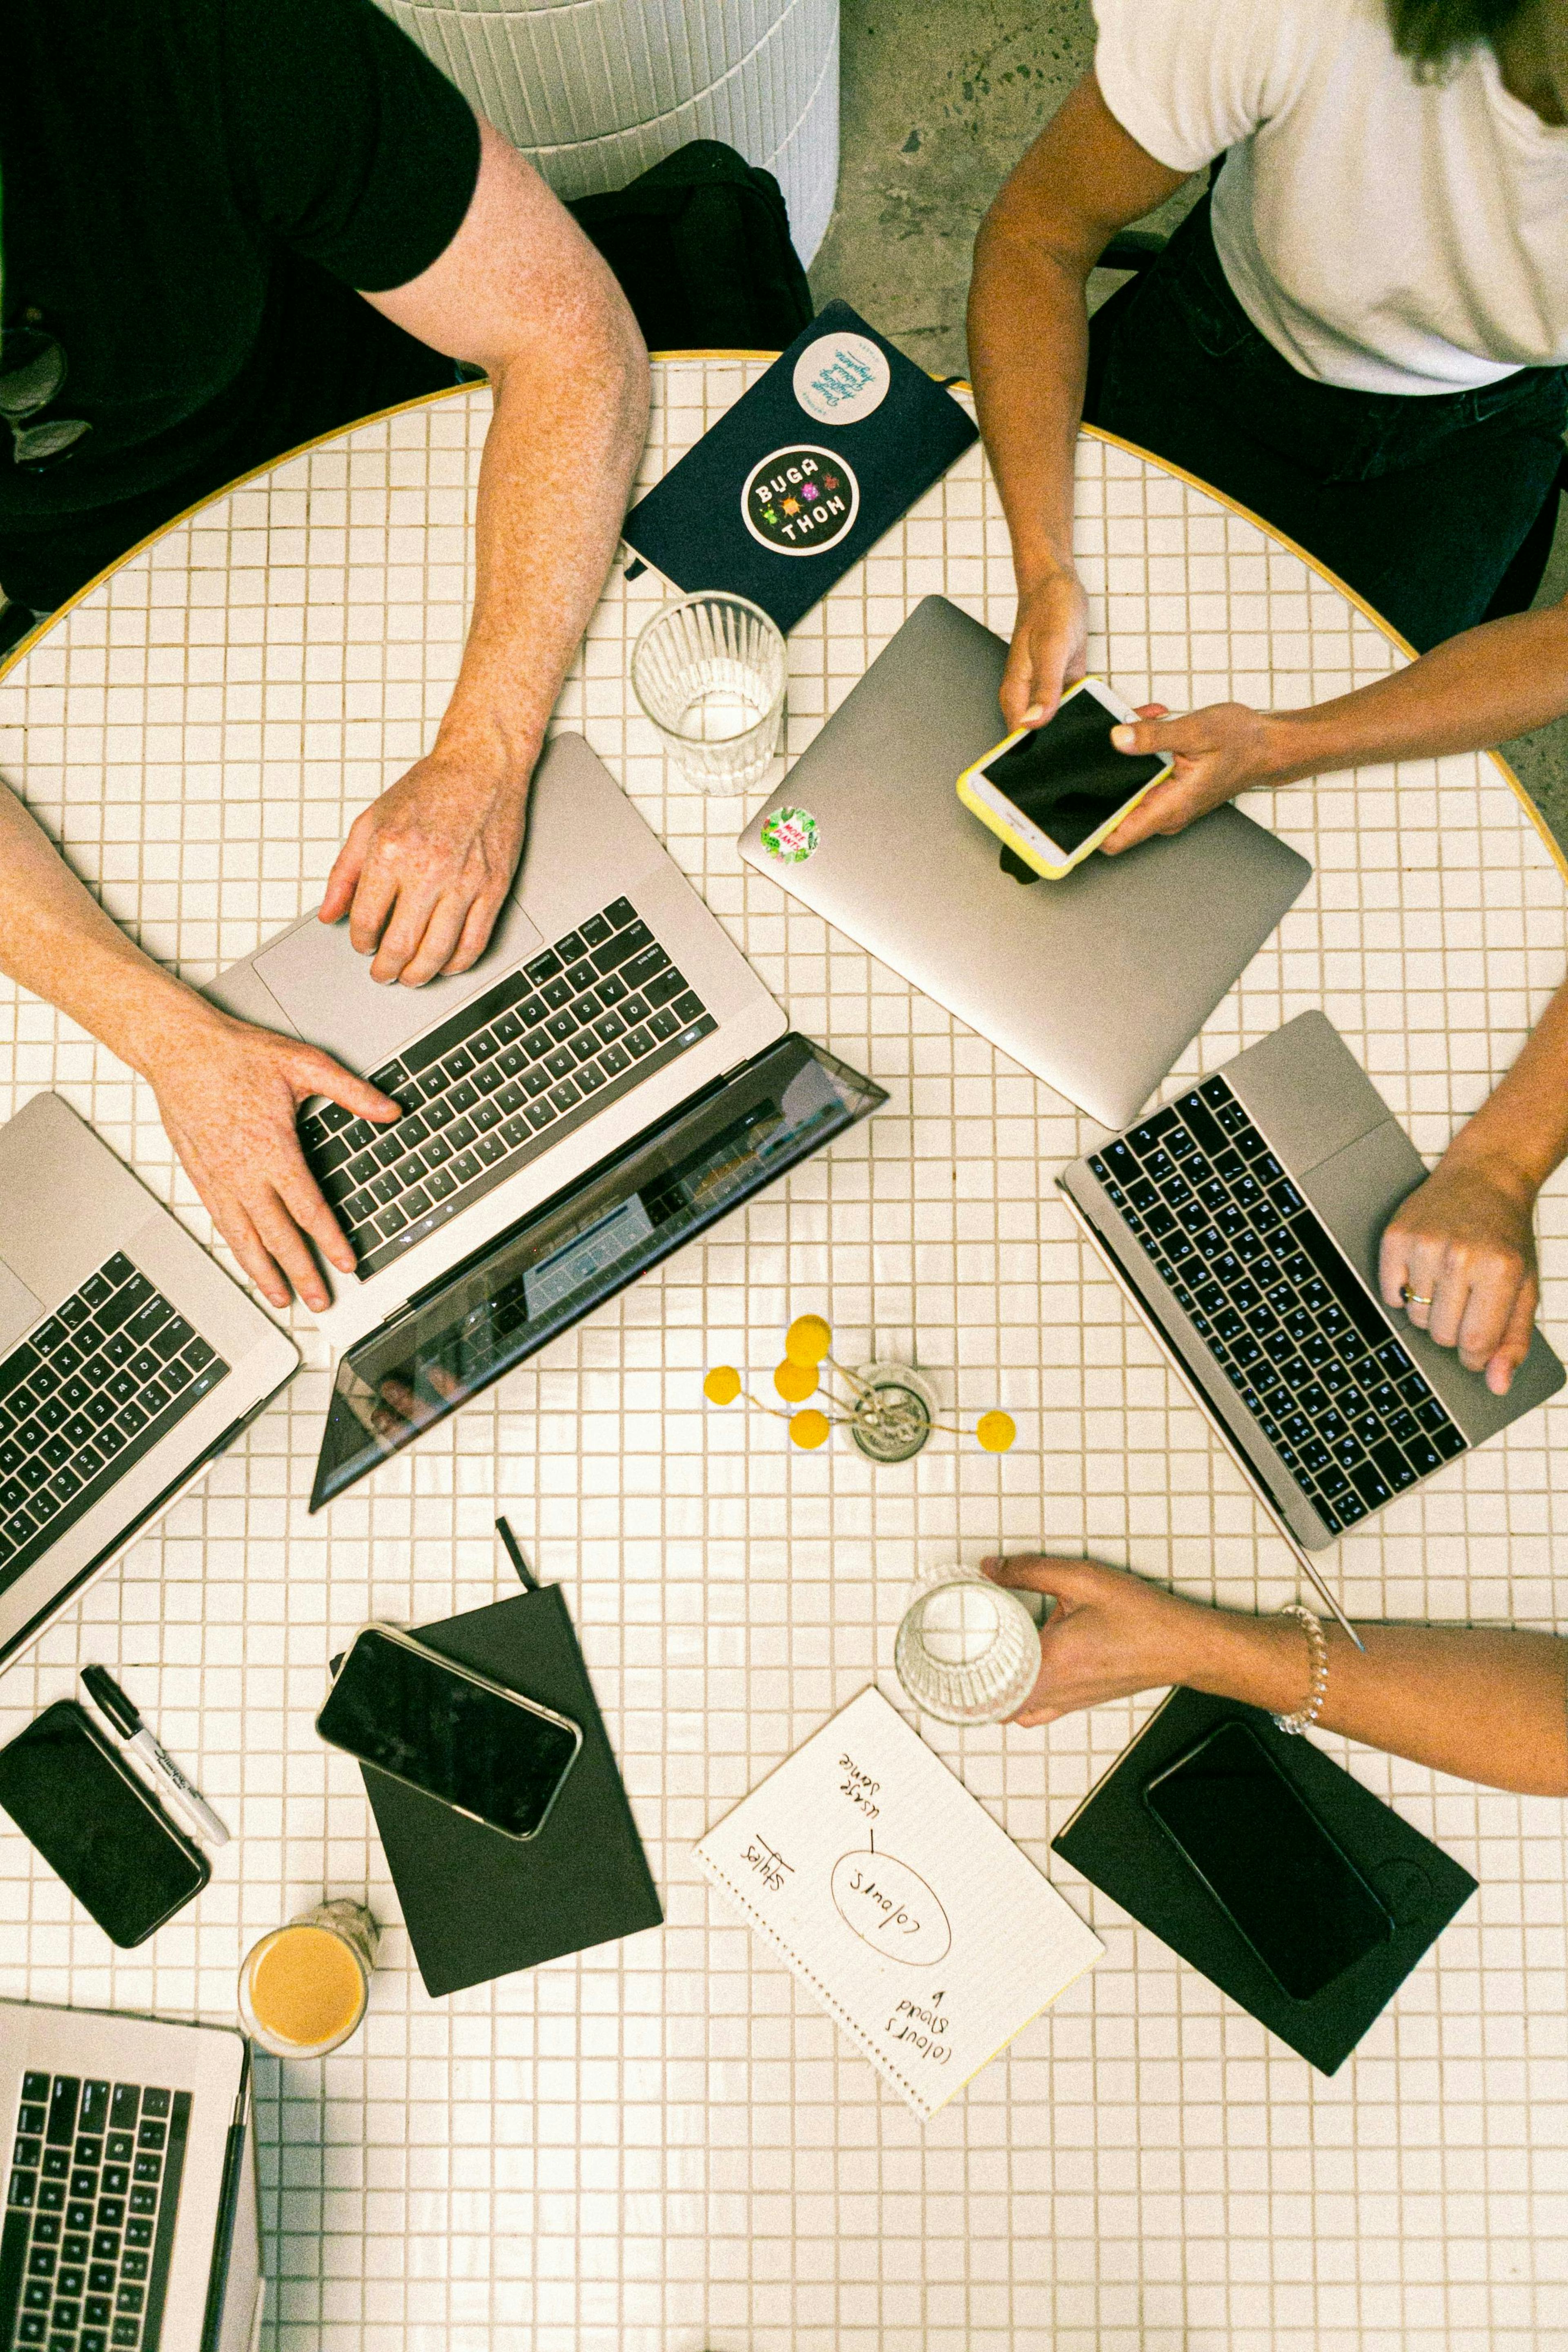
<point>1119,1847</point>
<point>479,1906</point>
<point>840,486</point>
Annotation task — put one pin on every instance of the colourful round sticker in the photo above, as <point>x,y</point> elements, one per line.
<point>790,834</point>
<point>839,379</point>
<point>800,502</point>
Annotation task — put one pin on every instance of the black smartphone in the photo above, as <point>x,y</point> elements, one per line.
<point>485,1750</point>
<point>1280,1879</point>
<point>97,1825</point>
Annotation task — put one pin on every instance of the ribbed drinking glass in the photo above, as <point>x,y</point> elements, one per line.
<point>709,670</point>
<point>968,1651</point>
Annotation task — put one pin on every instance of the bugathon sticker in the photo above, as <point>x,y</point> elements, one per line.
<point>800,502</point>
<point>839,379</point>
<point>789,834</point>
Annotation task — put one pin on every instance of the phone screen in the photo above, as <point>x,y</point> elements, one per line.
<point>398,1707</point>
<point>1298,1900</point>
<point>87,1817</point>
<point>1067,777</point>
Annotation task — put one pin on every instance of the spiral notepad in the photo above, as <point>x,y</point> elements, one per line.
<point>889,1890</point>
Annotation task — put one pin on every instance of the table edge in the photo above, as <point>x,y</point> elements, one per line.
<point>25,646</point>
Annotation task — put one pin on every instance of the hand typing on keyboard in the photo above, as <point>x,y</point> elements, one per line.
<point>230,1095</point>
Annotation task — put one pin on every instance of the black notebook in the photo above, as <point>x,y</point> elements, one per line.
<point>476,1905</point>
<point>803,475</point>
<point>1118,1845</point>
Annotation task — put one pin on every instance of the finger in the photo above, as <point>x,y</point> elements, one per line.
<point>435,949</point>
<point>477,929</point>
<point>375,894</point>
<point>1516,1340</point>
<point>1167,808</point>
<point>1449,1294</point>
<point>1394,1265</point>
<point>307,1204</point>
<point>282,1236</point>
<point>239,1231</point>
<point>343,880</point>
<point>1153,709</point>
<point>315,1073</point>
<point>1064,1580</point>
<point>1019,701</point>
<point>406,926</point>
<point>1424,1258</point>
<point>1487,1312</point>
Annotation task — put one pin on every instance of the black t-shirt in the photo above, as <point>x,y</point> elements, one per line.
<point>176,177</point>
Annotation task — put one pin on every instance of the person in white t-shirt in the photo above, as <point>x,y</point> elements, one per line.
<point>1362,339</point>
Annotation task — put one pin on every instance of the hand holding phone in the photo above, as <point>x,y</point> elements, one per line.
<point>1052,794</point>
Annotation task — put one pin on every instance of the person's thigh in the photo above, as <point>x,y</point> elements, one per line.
<point>1424,543</point>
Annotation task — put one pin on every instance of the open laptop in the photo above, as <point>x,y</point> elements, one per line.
<point>609,1078</point>
<point>1096,982</point>
<point>1244,1219</point>
<point>128,1360</point>
<point>131,2213</point>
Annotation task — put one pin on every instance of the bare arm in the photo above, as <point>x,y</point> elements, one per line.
<point>520,291</point>
<point>228,1094</point>
<point>1488,1707</point>
<point>1082,180</point>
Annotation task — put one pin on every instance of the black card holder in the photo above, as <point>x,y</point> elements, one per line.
<point>1118,1847</point>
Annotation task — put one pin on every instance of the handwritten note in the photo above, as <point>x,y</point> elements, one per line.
<point>891,1892</point>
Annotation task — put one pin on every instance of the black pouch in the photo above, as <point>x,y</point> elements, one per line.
<point>701,247</point>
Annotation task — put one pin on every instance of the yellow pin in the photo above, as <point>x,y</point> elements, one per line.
<point>807,1340</point>
<point>996,1431</point>
<point>809,1429</point>
<point>723,1385</point>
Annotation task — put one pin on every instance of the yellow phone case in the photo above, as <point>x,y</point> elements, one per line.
<point>998,825</point>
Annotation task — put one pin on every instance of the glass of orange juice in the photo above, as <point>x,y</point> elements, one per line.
<point>304,1989</point>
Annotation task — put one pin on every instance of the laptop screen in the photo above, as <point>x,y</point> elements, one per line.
<point>579,1249</point>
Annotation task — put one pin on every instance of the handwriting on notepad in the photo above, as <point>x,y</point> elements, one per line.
<point>769,1865</point>
<point>922,2024</point>
<point>860,1788</point>
<point>890,1907</point>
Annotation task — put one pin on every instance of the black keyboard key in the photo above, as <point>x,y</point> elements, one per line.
<point>1370,1485</point>
<point>619,913</point>
<point>634,1009</point>
<point>1448,1441</point>
<point>1422,1455</point>
<point>664,1024</point>
<point>127,1301</point>
<point>628,942</point>
<point>563,1097</point>
<point>1391,1461</point>
<point>64,2099</point>
<point>595,930</point>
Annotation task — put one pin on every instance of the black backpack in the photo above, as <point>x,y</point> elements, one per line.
<point>701,247</point>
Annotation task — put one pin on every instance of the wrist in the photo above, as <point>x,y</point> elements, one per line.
<point>161,1021</point>
<point>1262,1661</point>
<point>1486,1150</point>
<point>1036,562</point>
<point>502,753</point>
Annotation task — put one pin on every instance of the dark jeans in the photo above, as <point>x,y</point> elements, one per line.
<point>1418,502</point>
<point>339,360</point>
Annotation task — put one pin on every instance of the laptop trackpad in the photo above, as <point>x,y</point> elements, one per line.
<point>326,990</point>
<point>18,1308</point>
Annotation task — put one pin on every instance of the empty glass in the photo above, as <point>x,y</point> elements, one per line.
<point>968,1651</point>
<point>709,671</point>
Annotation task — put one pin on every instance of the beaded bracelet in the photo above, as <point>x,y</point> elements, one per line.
<point>1306,1716</point>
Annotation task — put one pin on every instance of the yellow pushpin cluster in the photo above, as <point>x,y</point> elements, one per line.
<point>808,1344</point>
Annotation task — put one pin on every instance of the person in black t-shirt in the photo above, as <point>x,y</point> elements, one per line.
<point>246,222</point>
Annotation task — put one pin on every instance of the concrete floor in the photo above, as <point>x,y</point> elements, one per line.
<point>937,107</point>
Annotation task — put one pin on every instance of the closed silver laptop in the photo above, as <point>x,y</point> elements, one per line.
<point>1245,1219</point>
<point>128,1360</point>
<point>607,998</point>
<point>131,2215</point>
<point>1096,982</point>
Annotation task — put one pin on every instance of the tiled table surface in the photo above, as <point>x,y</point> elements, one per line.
<point>664,2143</point>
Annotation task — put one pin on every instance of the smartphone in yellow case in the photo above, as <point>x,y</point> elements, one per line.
<point>1053,792</point>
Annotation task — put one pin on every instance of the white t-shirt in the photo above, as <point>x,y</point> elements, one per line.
<point>1384,234</point>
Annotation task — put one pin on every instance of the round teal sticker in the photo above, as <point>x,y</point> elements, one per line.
<point>789,834</point>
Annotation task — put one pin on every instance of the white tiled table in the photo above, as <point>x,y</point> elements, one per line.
<point>664,2144</point>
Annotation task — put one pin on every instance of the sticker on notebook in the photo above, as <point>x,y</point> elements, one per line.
<point>789,834</point>
<point>840,379</point>
<point>800,502</point>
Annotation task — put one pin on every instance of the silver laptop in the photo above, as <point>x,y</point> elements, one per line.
<point>127,1362</point>
<point>608,997</point>
<point>131,2217</point>
<point>1096,982</point>
<point>1245,1220</point>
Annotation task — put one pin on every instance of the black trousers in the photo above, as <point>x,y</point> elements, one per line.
<point>339,360</point>
<point>1419,502</point>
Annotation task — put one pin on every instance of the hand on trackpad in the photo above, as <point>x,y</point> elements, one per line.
<point>325,989</point>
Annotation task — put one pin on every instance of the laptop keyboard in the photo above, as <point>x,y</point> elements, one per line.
<point>1275,1302</point>
<point>90,1392</point>
<point>503,1080</point>
<point>89,2215</point>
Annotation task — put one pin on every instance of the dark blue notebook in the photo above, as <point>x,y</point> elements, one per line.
<point>803,475</point>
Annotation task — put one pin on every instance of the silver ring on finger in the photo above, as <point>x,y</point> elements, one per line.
<point>1411,1298</point>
